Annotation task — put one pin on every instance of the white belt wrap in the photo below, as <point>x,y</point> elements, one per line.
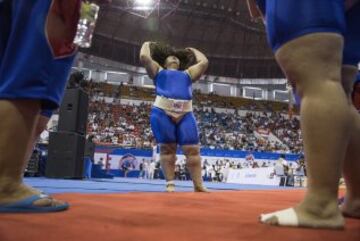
<point>173,105</point>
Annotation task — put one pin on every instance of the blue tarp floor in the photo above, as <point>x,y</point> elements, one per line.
<point>126,185</point>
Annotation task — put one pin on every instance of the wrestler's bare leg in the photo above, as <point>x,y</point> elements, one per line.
<point>314,62</point>
<point>193,163</point>
<point>167,161</point>
<point>19,119</point>
<point>351,169</point>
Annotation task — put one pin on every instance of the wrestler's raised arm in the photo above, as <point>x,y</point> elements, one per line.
<point>200,67</point>
<point>152,67</point>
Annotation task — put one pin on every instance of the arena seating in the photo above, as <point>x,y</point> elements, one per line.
<point>128,125</point>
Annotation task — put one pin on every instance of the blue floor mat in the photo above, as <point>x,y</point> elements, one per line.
<point>126,185</point>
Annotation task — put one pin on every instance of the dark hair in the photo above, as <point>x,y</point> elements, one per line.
<point>160,52</point>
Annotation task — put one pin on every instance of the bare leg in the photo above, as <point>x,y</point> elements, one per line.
<point>351,207</point>
<point>16,129</point>
<point>193,163</point>
<point>314,62</point>
<point>167,161</point>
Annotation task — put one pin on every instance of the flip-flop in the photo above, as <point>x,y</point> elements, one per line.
<point>287,217</point>
<point>27,206</point>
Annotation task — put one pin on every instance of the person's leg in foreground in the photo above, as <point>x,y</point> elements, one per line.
<point>33,73</point>
<point>351,169</point>
<point>309,51</point>
<point>351,59</point>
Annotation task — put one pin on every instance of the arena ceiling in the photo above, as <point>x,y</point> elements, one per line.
<point>223,30</point>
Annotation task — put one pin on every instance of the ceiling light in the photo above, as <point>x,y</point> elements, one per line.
<point>143,2</point>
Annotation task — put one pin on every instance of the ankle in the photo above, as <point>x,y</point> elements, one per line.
<point>320,206</point>
<point>198,184</point>
<point>9,185</point>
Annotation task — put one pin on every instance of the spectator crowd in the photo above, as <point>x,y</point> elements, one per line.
<point>128,125</point>
<point>249,127</point>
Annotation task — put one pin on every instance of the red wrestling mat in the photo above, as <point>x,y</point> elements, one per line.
<point>220,216</point>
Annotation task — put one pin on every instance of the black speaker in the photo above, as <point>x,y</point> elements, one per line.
<point>74,111</point>
<point>65,155</point>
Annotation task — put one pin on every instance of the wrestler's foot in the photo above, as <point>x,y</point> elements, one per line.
<point>328,216</point>
<point>15,193</point>
<point>200,188</point>
<point>351,208</point>
<point>170,186</point>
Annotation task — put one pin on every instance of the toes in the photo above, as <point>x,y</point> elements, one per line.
<point>56,203</point>
<point>273,220</point>
<point>48,202</point>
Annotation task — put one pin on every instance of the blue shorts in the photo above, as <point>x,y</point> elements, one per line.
<point>166,131</point>
<point>290,19</point>
<point>28,67</point>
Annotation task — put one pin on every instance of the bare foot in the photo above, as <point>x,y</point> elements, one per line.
<point>328,217</point>
<point>170,187</point>
<point>200,189</point>
<point>351,208</point>
<point>15,194</point>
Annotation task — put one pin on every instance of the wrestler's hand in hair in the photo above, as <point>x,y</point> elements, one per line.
<point>152,67</point>
<point>201,65</point>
